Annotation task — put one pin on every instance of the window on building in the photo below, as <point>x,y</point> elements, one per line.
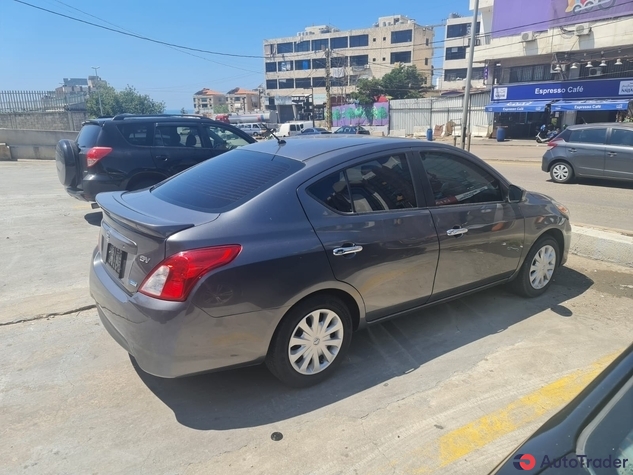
<point>302,64</point>
<point>404,36</point>
<point>285,65</point>
<point>318,63</point>
<point>360,60</point>
<point>271,84</point>
<point>478,74</point>
<point>340,42</point>
<point>339,61</point>
<point>455,74</point>
<point>302,46</point>
<point>318,45</point>
<point>318,82</point>
<point>427,42</point>
<point>426,61</point>
<point>271,67</point>
<point>460,30</point>
<point>456,53</point>
<point>283,48</point>
<point>357,41</point>
<point>401,57</point>
<point>286,83</point>
<point>303,83</point>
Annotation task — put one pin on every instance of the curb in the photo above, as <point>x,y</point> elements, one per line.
<point>602,245</point>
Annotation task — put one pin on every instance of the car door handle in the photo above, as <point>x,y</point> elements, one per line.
<point>345,251</point>
<point>572,150</point>
<point>457,232</point>
<point>162,157</point>
<point>612,154</point>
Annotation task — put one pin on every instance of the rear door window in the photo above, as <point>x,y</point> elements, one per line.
<point>227,181</point>
<point>622,137</point>
<point>135,134</point>
<point>595,136</point>
<point>88,136</point>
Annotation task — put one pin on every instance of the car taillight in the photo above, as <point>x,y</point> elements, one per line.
<point>553,143</point>
<point>97,153</point>
<point>175,276</point>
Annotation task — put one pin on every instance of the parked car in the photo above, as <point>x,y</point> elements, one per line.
<point>352,129</point>
<point>131,152</point>
<point>189,276</point>
<point>315,131</point>
<point>253,129</point>
<point>593,434</point>
<point>591,150</point>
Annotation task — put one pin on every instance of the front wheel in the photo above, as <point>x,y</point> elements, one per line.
<point>310,342</point>
<point>561,172</point>
<point>539,268</point>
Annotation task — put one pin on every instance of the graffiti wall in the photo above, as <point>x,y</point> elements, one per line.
<point>375,114</point>
<point>544,14</point>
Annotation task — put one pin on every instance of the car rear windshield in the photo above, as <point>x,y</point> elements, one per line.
<point>88,135</point>
<point>227,181</point>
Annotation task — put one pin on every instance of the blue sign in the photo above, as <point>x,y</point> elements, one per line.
<point>566,90</point>
<point>590,106</point>
<point>525,106</point>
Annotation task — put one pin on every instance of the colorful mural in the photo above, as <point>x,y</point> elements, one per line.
<point>545,14</point>
<point>353,114</point>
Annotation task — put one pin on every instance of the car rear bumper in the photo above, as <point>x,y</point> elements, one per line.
<point>547,159</point>
<point>172,339</point>
<point>91,186</point>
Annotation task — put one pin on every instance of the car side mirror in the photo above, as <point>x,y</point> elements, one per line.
<point>516,194</point>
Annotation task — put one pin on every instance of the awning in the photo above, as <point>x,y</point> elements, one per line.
<point>622,104</point>
<point>517,106</point>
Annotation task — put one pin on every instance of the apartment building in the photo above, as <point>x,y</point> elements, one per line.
<point>296,65</point>
<point>243,101</point>
<point>567,62</point>
<point>205,100</point>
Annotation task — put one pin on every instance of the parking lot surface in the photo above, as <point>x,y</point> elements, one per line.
<point>450,390</point>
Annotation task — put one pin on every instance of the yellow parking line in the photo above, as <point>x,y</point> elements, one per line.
<point>479,433</point>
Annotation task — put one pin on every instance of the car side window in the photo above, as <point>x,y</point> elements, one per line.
<point>454,180</point>
<point>135,134</point>
<point>223,139</point>
<point>381,184</point>
<point>622,137</point>
<point>597,136</point>
<point>170,136</point>
<point>332,191</point>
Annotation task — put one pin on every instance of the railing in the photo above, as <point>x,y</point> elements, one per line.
<point>38,101</point>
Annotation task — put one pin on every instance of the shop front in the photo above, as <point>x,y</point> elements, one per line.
<point>524,108</point>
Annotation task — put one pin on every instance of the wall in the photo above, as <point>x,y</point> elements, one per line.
<point>412,114</point>
<point>62,120</point>
<point>374,115</point>
<point>28,144</point>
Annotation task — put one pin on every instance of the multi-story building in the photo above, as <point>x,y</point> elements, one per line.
<point>242,101</point>
<point>565,62</point>
<point>456,44</point>
<point>206,100</point>
<point>296,66</point>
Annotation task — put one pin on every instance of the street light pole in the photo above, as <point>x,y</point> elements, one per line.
<point>98,90</point>
<point>469,74</point>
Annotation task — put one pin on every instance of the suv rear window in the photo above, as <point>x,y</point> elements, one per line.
<point>88,136</point>
<point>227,181</point>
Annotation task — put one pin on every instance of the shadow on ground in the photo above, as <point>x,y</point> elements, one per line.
<point>252,396</point>
<point>94,218</point>
<point>601,183</point>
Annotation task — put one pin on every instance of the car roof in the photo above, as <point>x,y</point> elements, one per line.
<point>312,146</point>
<point>123,118</point>
<point>624,125</point>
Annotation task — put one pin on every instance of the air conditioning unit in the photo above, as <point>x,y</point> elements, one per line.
<point>527,36</point>
<point>367,66</point>
<point>582,29</point>
<point>594,72</point>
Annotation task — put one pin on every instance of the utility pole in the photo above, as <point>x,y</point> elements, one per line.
<point>328,85</point>
<point>469,74</point>
<point>98,89</point>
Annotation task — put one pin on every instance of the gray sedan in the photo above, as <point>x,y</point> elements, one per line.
<point>278,251</point>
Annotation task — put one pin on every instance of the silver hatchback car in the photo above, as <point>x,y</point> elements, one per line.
<point>592,151</point>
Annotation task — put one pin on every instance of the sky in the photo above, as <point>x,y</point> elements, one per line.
<point>38,49</point>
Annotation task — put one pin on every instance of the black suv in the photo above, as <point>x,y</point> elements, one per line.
<point>132,152</point>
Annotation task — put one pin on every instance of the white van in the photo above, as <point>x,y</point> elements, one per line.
<point>292,128</point>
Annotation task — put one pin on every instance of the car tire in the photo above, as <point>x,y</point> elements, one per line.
<point>561,172</point>
<point>317,321</point>
<point>142,184</point>
<point>539,268</point>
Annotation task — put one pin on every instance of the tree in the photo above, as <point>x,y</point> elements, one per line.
<point>221,109</point>
<point>368,91</point>
<point>114,102</point>
<point>403,82</point>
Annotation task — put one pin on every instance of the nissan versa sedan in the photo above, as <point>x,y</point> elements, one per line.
<point>277,252</point>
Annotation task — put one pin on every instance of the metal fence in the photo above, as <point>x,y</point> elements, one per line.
<point>38,101</point>
<point>409,114</point>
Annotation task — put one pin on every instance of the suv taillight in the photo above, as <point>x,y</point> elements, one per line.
<point>97,153</point>
<point>175,276</point>
<point>553,143</point>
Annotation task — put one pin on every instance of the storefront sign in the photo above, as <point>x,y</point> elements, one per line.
<point>567,90</point>
<point>545,14</point>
